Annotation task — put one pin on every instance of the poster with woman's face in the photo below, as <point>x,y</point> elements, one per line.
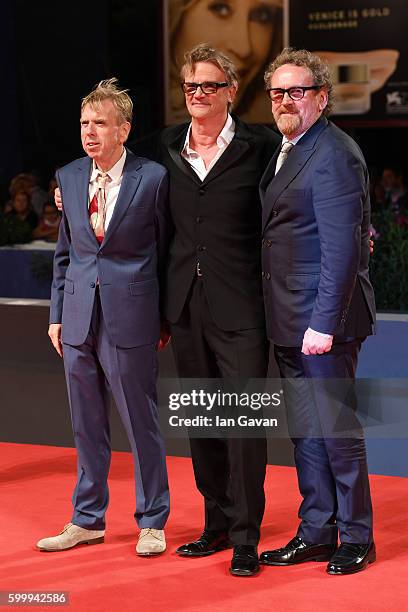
<point>250,32</point>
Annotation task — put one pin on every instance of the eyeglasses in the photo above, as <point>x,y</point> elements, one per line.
<point>277,94</point>
<point>208,87</point>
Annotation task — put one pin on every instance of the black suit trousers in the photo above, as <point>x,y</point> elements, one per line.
<point>229,472</point>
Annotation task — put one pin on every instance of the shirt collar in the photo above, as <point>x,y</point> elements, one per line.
<point>114,173</point>
<point>293,140</point>
<point>224,137</point>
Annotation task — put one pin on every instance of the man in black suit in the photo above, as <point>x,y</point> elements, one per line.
<point>214,290</point>
<point>319,308</point>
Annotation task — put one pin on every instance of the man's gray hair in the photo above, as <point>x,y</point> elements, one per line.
<point>318,68</point>
<point>108,90</point>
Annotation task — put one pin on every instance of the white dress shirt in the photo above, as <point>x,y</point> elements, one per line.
<point>112,186</point>
<point>196,161</point>
<point>292,140</point>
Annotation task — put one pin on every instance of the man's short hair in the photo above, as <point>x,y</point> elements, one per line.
<point>205,53</point>
<point>108,90</point>
<point>301,57</point>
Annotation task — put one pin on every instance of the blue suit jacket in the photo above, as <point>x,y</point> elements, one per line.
<point>127,264</point>
<point>315,255</point>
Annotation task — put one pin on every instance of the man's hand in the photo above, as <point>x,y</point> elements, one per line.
<point>371,241</point>
<point>57,198</point>
<point>165,336</point>
<point>54,332</point>
<point>316,344</point>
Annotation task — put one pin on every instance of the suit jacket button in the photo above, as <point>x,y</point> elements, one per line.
<point>267,275</point>
<point>92,285</point>
<point>199,219</point>
<point>201,191</point>
<point>275,213</point>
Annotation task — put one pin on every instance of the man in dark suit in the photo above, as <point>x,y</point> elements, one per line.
<point>319,308</point>
<point>214,297</point>
<point>104,317</point>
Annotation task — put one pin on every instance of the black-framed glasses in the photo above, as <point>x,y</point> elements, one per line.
<point>208,87</point>
<point>277,94</point>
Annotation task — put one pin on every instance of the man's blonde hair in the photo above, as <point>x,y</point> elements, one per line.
<point>108,90</point>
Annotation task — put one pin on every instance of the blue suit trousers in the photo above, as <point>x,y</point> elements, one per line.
<point>330,454</point>
<point>93,371</point>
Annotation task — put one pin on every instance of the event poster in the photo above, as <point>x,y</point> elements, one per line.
<point>366,46</point>
<point>250,32</point>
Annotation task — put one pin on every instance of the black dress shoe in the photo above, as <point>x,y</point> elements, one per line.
<point>244,561</point>
<point>208,543</point>
<point>297,551</point>
<point>351,558</point>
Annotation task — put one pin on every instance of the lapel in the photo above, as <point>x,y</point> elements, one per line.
<point>269,172</point>
<point>175,147</point>
<point>84,174</point>
<point>130,182</point>
<point>272,186</point>
<point>238,146</point>
<point>235,150</point>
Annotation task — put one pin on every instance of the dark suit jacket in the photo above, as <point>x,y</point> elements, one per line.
<point>218,222</point>
<point>126,263</point>
<point>316,215</point>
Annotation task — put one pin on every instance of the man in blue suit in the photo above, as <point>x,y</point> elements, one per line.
<point>105,318</point>
<point>319,308</point>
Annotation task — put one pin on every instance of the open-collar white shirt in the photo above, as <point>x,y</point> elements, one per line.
<point>196,161</point>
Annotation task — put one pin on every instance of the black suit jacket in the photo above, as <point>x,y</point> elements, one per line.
<point>218,223</point>
<point>316,216</point>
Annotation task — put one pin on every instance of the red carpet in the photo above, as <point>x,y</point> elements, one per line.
<point>36,485</point>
